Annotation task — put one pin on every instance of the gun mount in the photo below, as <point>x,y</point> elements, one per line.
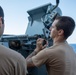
<point>40,19</point>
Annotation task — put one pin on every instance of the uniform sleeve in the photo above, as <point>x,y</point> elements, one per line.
<point>40,58</point>
<point>21,68</point>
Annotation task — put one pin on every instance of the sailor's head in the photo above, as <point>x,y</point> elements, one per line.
<point>62,26</point>
<point>1,21</point>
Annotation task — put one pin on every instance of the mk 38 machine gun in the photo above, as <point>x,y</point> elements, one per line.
<point>40,20</point>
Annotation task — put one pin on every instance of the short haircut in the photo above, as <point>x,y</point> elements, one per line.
<point>67,24</point>
<point>1,12</point>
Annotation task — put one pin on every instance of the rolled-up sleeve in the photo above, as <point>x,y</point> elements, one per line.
<point>40,58</point>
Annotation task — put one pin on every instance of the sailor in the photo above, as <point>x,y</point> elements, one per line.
<point>60,59</point>
<point>11,62</point>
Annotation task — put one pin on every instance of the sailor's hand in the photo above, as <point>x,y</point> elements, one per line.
<point>41,44</point>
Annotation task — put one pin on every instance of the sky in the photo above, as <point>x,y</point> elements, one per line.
<point>16,16</point>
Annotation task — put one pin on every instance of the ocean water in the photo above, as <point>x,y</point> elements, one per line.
<point>74,47</point>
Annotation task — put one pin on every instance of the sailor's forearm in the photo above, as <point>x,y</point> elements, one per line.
<point>31,55</point>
